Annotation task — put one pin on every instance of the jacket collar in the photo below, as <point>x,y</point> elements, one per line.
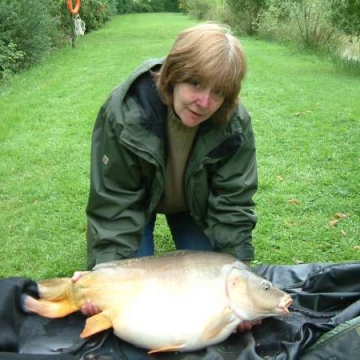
<point>213,141</point>
<point>152,109</point>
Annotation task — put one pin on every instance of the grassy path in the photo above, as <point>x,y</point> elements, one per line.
<point>306,119</point>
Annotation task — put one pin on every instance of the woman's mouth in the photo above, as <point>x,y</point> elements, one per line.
<point>196,114</point>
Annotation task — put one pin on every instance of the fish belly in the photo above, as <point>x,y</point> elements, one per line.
<point>174,317</point>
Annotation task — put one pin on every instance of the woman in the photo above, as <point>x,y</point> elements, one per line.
<point>173,139</point>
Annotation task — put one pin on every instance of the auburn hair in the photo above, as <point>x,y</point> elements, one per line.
<point>210,54</point>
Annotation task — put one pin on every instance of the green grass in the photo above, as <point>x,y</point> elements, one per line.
<point>305,115</point>
<point>307,122</point>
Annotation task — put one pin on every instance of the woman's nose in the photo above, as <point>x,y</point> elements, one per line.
<point>203,99</point>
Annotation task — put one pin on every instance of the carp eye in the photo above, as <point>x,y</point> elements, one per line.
<point>265,285</point>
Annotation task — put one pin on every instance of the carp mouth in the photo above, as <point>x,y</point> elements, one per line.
<point>284,306</point>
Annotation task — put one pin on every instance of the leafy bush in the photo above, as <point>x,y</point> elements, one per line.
<point>141,6</point>
<point>202,9</point>
<point>10,59</point>
<point>312,18</point>
<point>246,14</point>
<point>304,22</point>
<point>345,15</point>
<point>199,8</point>
<point>96,13</point>
<point>275,21</point>
<point>27,33</point>
<point>165,5</point>
<point>124,6</point>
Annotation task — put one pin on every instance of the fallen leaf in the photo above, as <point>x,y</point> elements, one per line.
<point>357,247</point>
<point>297,113</point>
<point>340,216</point>
<point>280,178</point>
<point>294,202</point>
<point>298,261</point>
<point>333,222</point>
<point>343,232</point>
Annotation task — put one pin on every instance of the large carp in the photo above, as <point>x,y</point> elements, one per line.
<point>179,301</point>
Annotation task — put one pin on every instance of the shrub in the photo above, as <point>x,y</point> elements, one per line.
<point>204,9</point>
<point>141,6</point>
<point>275,21</point>
<point>10,59</point>
<point>312,18</point>
<point>199,8</point>
<point>27,33</point>
<point>345,15</point>
<point>124,6</point>
<point>246,14</point>
<point>165,5</point>
<point>96,13</point>
<point>304,22</point>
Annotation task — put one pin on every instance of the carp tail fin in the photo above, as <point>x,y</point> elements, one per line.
<point>48,309</point>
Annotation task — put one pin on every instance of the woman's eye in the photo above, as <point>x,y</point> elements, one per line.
<point>195,83</point>
<point>219,93</point>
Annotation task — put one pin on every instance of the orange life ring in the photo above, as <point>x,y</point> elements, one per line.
<point>74,10</point>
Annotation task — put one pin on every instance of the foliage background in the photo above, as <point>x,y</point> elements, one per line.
<point>332,27</point>
<point>329,28</point>
<point>29,32</point>
<point>306,121</point>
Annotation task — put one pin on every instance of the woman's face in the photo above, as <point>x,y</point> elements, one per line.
<point>194,102</point>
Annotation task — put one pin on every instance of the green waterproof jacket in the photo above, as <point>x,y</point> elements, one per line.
<point>128,160</point>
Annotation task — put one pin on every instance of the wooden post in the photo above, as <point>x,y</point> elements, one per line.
<point>73,35</point>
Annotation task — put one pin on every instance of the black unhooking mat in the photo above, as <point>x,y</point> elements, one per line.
<point>324,324</point>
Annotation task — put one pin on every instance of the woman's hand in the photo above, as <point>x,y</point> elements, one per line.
<point>89,308</point>
<point>247,325</point>
<point>77,275</point>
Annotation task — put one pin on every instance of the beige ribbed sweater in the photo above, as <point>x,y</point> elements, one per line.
<point>179,143</point>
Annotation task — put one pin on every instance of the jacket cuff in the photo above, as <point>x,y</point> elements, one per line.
<point>243,252</point>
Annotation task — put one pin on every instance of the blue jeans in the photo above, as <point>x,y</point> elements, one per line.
<point>186,234</point>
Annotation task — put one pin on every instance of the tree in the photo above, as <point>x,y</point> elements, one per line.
<point>345,15</point>
<point>27,33</point>
<point>247,13</point>
<point>124,6</point>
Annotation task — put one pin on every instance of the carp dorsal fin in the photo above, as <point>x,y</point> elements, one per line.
<point>95,324</point>
<point>217,324</point>
<point>167,348</point>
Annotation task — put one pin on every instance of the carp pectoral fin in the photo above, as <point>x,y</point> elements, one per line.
<point>166,348</point>
<point>216,325</point>
<point>48,309</point>
<point>96,324</point>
